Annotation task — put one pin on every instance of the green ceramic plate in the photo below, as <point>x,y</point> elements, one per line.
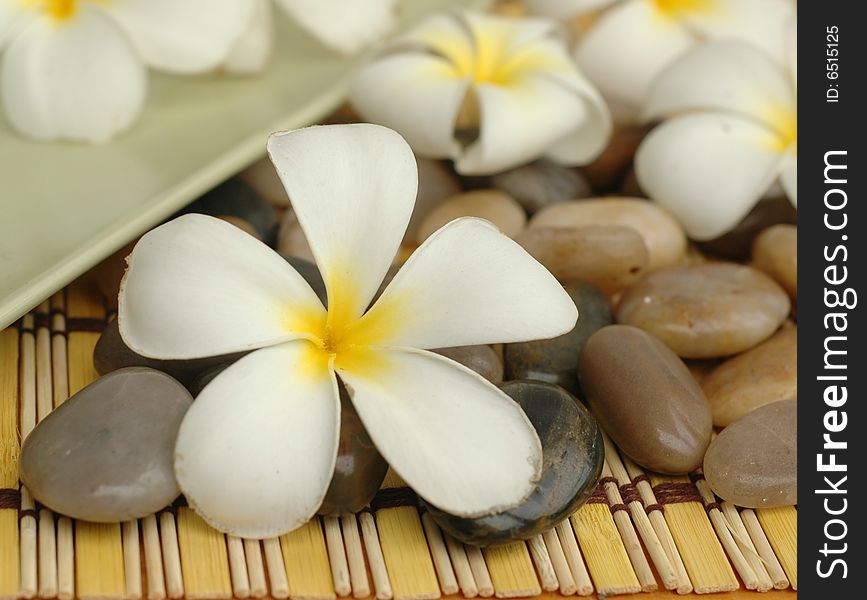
<point>64,207</point>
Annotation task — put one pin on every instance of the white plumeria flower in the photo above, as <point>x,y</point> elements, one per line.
<point>632,41</point>
<point>76,69</point>
<point>346,26</point>
<point>510,81</point>
<point>256,452</point>
<point>732,135</point>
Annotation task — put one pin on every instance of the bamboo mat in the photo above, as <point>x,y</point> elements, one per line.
<point>639,532</point>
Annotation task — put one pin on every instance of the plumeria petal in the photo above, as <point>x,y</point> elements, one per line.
<point>251,51</point>
<point>482,284</point>
<point>730,76</point>
<point>458,441</point>
<point>789,175</point>
<point>760,23</point>
<point>627,48</point>
<point>563,9</point>
<point>256,452</point>
<point>182,37</point>
<point>383,88</point>
<point>198,286</point>
<point>445,34</point>
<point>78,79</point>
<point>13,17</point>
<point>352,188</point>
<point>708,169</point>
<point>345,25</point>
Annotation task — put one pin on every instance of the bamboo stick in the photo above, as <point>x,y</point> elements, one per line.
<point>639,517</point>
<point>276,568</point>
<point>440,554</point>
<point>405,551</point>
<point>99,569</point>
<point>583,584</point>
<point>131,559</point>
<point>511,570</point>
<point>461,564</point>
<point>627,533</point>
<point>742,539</point>
<point>763,547</point>
<point>781,527</point>
<point>718,520</point>
<point>238,567</point>
<point>660,525</point>
<point>255,568</point>
<point>355,557</point>
<point>47,551</point>
<point>47,587</point>
<point>702,553</point>
<point>27,413</point>
<point>65,560</point>
<point>603,551</point>
<point>154,575</point>
<point>305,558</point>
<point>374,556</point>
<point>544,568</point>
<point>559,562</point>
<point>10,567</point>
<point>204,559</point>
<point>337,556</point>
<point>480,571</point>
<point>171,555</point>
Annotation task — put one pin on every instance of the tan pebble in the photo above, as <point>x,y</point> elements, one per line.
<point>262,177</point>
<point>706,311</point>
<point>610,257</point>
<point>291,239</point>
<point>775,251</point>
<point>764,374</point>
<point>493,205</point>
<point>663,235</point>
<point>481,359</point>
<point>611,164</point>
<point>435,184</point>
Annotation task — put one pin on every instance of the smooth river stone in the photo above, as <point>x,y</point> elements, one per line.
<point>608,169</point>
<point>495,206</point>
<point>706,311</point>
<point>611,257</point>
<point>541,183</point>
<point>482,359</point>
<point>767,373</point>
<point>736,244</point>
<point>111,353</point>
<point>360,469</point>
<point>646,399</point>
<point>573,453</point>
<point>663,236</point>
<point>107,453</point>
<point>238,203</point>
<point>291,240</point>
<point>775,252</point>
<point>556,360</point>
<point>262,177</point>
<point>436,183</point>
<point>754,461</point>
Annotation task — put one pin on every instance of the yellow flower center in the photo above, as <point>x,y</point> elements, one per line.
<point>59,10</point>
<point>679,8</point>
<point>784,121</point>
<point>339,336</point>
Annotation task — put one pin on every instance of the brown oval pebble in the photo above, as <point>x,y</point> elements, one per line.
<point>645,398</point>
<point>541,183</point>
<point>775,251</point>
<point>754,461</point>
<point>436,183</point>
<point>764,374</point>
<point>495,206</point>
<point>706,311</point>
<point>481,359</point>
<point>663,236</point>
<point>611,257</point>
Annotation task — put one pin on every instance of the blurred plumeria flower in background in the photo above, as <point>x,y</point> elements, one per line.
<point>345,26</point>
<point>627,45</point>
<point>730,135</point>
<point>488,92</point>
<point>77,69</point>
<point>256,452</point>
